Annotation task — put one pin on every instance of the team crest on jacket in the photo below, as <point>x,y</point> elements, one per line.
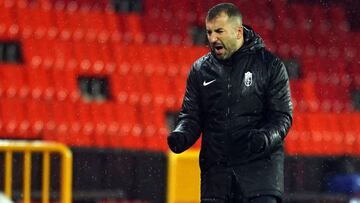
<point>248,79</point>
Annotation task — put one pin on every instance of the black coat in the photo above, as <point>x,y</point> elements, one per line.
<point>224,100</point>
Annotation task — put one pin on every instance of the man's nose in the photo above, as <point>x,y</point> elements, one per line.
<point>212,38</point>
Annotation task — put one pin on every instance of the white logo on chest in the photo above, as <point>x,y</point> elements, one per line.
<point>208,83</point>
<point>248,79</point>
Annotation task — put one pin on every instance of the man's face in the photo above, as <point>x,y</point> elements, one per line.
<point>223,35</point>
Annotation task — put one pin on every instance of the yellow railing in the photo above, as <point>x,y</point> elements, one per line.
<point>46,148</point>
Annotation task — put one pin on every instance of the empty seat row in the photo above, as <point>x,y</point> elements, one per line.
<point>138,87</point>
<point>75,25</point>
<point>17,81</point>
<point>116,125</point>
<point>82,124</point>
<point>316,97</point>
<point>324,134</point>
<point>105,58</point>
<point>71,5</point>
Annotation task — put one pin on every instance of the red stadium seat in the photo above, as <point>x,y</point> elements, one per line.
<point>99,120</point>
<point>294,142</point>
<point>334,128</point>
<point>62,125</point>
<point>13,118</point>
<point>320,139</point>
<point>300,135</point>
<point>76,128</point>
<point>13,80</point>
<point>337,14</point>
<point>154,122</point>
<point>129,135</point>
<point>87,127</point>
<point>38,81</point>
<point>94,26</point>
<point>114,26</point>
<point>8,27</point>
<point>133,25</point>
<point>355,121</point>
<point>310,101</point>
<point>37,114</point>
<point>350,133</point>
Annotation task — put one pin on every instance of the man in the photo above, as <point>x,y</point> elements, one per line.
<point>238,97</point>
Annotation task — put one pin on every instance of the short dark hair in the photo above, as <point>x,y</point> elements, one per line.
<point>228,8</point>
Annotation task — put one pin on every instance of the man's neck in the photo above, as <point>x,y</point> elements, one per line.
<point>241,43</point>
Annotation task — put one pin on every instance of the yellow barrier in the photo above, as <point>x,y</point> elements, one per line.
<point>46,148</point>
<point>183,177</point>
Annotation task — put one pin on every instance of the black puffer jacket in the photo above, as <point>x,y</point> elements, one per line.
<point>224,100</point>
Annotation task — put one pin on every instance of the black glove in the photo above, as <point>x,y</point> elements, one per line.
<point>259,142</point>
<point>176,142</point>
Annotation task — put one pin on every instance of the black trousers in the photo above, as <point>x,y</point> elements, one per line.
<point>224,185</point>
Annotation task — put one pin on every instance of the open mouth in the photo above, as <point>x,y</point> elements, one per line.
<point>219,49</point>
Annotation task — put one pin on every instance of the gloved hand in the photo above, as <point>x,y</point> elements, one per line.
<point>176,142</point>
<point>258,141</point>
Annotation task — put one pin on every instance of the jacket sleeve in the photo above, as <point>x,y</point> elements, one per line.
<point>278,105</point>
<point>188,128</point>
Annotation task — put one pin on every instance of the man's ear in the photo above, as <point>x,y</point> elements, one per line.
<point>240,32</point>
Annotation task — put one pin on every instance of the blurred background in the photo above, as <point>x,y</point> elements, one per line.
<point>107,77</point>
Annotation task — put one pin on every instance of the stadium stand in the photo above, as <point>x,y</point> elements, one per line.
<point>144,50</point>
<point>64,40</point>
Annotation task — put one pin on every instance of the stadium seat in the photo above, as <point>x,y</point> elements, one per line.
<point>9,29</point>
<point>350,133</point>
<point>129,126</point>
<point>300,139</point>
<point>60,127</point>
<point>292,141</point>
<point>356,120</point>
<point>13,118</point>
<point>337,15</point>
<point>97,111</point>
<point>338,143</point>
<point>13,80</point>
<point>320,139</point>
<point>310,102</point>
<point>38,80</point>
<point>133,33</point>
